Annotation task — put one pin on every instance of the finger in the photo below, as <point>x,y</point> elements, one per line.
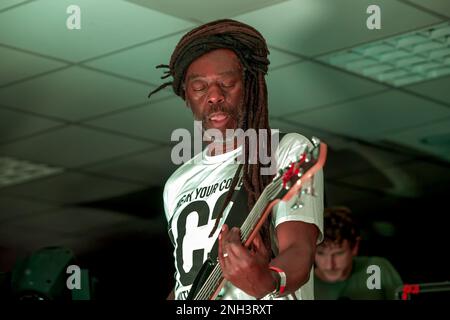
<point>259,248</point>
<point>234,235</point>
<point>221,250</point>
<point>224,229</point>
<point>234,246</point>
<point>257,242</point>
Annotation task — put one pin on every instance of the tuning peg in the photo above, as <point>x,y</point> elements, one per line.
<point>309,191</point>
<point>288,185</point>
<point>308,157</point>
<point>315,141</point>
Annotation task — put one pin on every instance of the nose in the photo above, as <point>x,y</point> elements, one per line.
<point>329,262</point>
<point>215,94</point>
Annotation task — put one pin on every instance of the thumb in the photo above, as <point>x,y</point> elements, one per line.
<point>257,243</point>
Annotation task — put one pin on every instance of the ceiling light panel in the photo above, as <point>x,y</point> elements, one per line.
<point>14,171</point>
<point>401,60</point>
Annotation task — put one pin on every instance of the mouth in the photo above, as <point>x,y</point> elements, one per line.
<point>218,119</point>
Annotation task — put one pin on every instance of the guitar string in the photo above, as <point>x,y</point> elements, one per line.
<point>216,274</point>
<point>249,223</point>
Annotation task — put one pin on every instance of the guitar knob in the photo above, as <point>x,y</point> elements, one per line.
<point>297,205</point>
<point>310,191</point>
<point>315,141</point>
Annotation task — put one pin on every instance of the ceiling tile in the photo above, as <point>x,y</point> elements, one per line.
<point>279,58</point>
<point>339,195</point>
<point>18,65</point>
<point>152,167</point>
<point>72,147</point>
<point>307,85</point>
<point>433,138</point>
<point>438,6</point>
<point>407,179</point>
<point>332,140</point>
<point>140,62</point>
<point>71,188</point>
<point>29,240</point>
<point>436,89</point>
<point>13,207</point>
<point>106,25</point>
<point>313,27</point>
<point>14,124</point>
<point>155,121</point>
<point>200,10</point>
<point>70,221</point>
<point>359,158</point>
<point>286,127</point>
<point>10,3</point>
<point>374,117</point>
<point>75,93</point>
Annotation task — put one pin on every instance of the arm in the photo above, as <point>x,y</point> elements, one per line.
<point>297,247</point>
<point>249,270</point>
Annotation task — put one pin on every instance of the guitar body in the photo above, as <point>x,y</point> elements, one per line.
<point>203,274</point>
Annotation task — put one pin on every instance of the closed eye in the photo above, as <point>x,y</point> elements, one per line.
<point>198,86</point>
<point>228,84</point>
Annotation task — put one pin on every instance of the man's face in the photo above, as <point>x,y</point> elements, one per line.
<point>334,261</point>
<point>214,90</point>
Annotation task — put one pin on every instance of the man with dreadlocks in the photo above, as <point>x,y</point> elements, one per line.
<point>219,69</point>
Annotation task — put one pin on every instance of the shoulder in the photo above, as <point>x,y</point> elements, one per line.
<point>293,139</point>
<point>381,262</point>
<point>176,181</point>
<point>290,147</point>
<point>184,169</point>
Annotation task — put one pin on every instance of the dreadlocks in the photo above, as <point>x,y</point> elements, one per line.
<point>251,49</point>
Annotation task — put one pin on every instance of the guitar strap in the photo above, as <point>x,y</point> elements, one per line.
<point>239,198</point>
<point>235,217</point>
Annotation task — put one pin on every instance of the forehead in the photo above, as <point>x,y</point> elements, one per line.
<point>214,62</point>
<point>331,247</point>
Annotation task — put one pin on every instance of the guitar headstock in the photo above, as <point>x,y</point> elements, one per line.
<point>302,169</point>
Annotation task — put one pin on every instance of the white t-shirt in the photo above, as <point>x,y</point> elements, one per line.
<point>191,195</point>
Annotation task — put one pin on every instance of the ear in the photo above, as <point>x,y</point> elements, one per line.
<point>355,248</point>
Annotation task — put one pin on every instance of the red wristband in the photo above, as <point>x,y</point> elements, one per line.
<point>282,284</point>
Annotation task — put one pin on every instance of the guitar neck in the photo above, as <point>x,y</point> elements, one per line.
<point>257,215</point>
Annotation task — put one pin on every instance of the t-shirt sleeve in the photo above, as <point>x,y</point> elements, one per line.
<point>311,211</point>
<point>166,201</point>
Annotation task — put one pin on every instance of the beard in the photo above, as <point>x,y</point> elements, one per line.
<point>235,113</point>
